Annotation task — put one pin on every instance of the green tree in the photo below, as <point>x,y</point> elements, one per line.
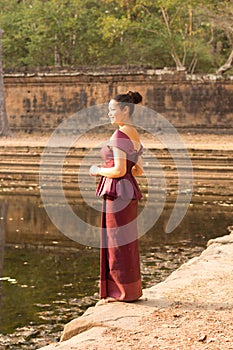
<point>183,32</point>
<point>192,35</point>
<point>49,33</point>
<point>221,17</point>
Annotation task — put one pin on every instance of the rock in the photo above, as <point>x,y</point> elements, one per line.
<point>115,314</point>
<point>202,338</point>
<point>203,286</point>
<point>221,240</point>
<point>88,337</point>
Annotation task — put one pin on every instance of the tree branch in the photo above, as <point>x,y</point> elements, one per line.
<point>227,65</point>
<point>179,65</point>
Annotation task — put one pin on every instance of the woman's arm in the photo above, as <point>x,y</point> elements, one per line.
<point>137,169</point>
<point>118,170</point>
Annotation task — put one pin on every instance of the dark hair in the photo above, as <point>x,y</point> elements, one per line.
<point>129,99</point>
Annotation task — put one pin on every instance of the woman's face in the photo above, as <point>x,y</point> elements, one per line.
<point>117,116</point>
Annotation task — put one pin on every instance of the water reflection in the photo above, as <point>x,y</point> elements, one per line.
<point>45,283</point>
<point>51,275</point>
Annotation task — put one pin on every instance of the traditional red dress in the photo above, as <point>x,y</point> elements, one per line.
<point>119,253</point>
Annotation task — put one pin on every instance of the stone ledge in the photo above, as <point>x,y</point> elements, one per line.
<point>222,240</point>
<point>117,70</point>
<point>193,285</point>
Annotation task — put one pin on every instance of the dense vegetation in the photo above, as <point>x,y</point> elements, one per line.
<point>196,35</point>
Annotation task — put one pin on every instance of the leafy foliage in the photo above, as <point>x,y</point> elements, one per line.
<point>195,35</point>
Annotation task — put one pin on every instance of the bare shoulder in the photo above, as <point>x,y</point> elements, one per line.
<point>131,132</point>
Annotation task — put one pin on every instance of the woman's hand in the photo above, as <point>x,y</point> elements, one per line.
<point>117,170</point>
<point>94,170</point>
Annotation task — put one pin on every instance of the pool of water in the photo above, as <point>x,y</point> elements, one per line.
<point>48,279</point>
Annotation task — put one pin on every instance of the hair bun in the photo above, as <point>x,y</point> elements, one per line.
<point>135,96</point>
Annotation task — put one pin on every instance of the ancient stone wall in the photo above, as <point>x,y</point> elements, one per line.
<point>40,100</point>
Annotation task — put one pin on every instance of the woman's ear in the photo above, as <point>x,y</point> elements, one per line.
<point>126,110</point>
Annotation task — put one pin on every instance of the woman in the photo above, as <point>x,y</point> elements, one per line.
<point>120,278</point>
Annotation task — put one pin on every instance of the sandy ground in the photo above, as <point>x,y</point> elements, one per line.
<point>190,140</point>
<point>177,328</point>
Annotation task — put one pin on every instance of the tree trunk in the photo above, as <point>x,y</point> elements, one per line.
<point>179,65</point>
<point>4,126</point>
<point>227,65</point>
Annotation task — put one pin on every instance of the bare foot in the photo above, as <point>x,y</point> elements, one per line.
<point>111,300</point>
<point>106,301</point>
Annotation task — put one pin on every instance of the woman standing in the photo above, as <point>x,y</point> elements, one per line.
<point>120,278</point>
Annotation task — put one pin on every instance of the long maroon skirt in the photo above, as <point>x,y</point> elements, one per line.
<point>119,253</point>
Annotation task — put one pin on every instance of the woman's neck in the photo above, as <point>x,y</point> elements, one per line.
<point>125,124</point>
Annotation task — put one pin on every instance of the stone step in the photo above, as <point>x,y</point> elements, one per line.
<point>20,168</point>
